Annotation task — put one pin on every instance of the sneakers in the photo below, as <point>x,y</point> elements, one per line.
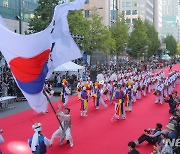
<point>71,145</point>
<point>136,142</point>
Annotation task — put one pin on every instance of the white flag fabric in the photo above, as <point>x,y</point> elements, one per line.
<point>32,58</point>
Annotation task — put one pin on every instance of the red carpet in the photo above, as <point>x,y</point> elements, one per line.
<point>95,134</point>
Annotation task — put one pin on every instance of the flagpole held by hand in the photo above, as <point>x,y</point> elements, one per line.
<point>44,92</point>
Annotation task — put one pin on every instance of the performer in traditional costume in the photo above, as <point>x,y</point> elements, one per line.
<point>97,95</point>
<point>119,104</point>
<point>64,96</point>
<point>84,102</point>
<point>159,93</point>
<point>128,99</point>
<point>64,131</point>
<point>79,88</point>
<point>89,87</point>
<point>38,142</point>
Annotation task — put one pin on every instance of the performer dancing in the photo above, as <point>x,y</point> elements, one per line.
<point>38,142</point>
<point>128,99</point>
<point>84,102</point>
<point>119,104</point>
<point>64,132</point>
<point>79,88</point>
<point>97,95</point>
<point>65,93</point>
<point>159,93</point>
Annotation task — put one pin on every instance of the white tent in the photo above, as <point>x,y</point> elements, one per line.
<point>69,66</point>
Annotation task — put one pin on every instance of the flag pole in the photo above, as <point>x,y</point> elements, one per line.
<point>52,108</point>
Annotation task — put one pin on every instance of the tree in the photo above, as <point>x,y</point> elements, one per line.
<point>178,48</point>
<point>171,44</point>
<point>154,42</point>
<point>138,39</point>
<point>99,36</point>
<point>42,15</point>
<point>120,34</point>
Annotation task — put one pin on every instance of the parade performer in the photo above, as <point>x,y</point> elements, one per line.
<point>65,93</point>
<point>84,102</point>
<point>128,99</point>
<point>64,131</point>
<point>159,93</point>
<point>38,142</point>
<point>79,88</point>
<point>97,95</point>
<point>138,91</point>
<point>89,87</point>
<point>119,104</point>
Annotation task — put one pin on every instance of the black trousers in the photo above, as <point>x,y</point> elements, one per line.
<point>144,137</point>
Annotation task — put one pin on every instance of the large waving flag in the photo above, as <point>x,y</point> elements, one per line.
<point>32,58</point>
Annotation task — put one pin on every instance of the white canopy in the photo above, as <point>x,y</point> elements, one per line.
<point>69,66</point>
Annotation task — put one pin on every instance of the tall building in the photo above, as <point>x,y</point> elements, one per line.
<point>103,8</point>
<point>170,18</point>
<point>132,9</point>
<point>17,13</point>
<point>158,16</point>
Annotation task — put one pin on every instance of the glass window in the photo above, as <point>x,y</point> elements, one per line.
<point>123,12</point>
<point>134,20</point>
<point>134,12</point>
<point>86,13</point>
<point>123,4</point>
<point>128,12</point>
<point>134,4</point>
<point>128,21</point>
<point>128,4</point>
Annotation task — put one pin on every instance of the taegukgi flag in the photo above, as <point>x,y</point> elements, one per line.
<point>32,58</point>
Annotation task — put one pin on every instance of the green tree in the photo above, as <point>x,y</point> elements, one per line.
<point>42,15</point>
<point>178,48</point>
<point>154,42</point>
<point>120,34</point>
<point>138,39</point>
<point>171,44</point>
<point>99,36</point>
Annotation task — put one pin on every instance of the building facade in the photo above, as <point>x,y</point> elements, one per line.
<point>17,13</point>
<point>170,19</point>
<point>158,16</point>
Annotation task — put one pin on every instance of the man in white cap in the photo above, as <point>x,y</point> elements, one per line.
<point>38,142</point>
<point>171,131</point>
<point>64,131</point>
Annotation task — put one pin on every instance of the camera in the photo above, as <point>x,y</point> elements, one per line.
<point>147,131</point>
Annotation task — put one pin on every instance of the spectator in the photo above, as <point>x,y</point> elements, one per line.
<point>151,135</point>
<point>172,104</point>
<point>132,149</point>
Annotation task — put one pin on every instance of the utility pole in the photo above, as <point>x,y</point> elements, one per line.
<point>20,17</point>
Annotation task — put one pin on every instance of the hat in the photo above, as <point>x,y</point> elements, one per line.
<point>170,126</point>
<point>37,127</point>
<point>64,82</point>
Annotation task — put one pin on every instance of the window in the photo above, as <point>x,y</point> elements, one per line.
<point>128,12</point>
<point>86,12</point>
<point>123,12</point>
<point>128,4</point>
<point>123,4</point>
<point>134,20</point>
<point>134,12</point>
<point>134,4</point>
<point>128,21</point>
<point>87,2</point>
